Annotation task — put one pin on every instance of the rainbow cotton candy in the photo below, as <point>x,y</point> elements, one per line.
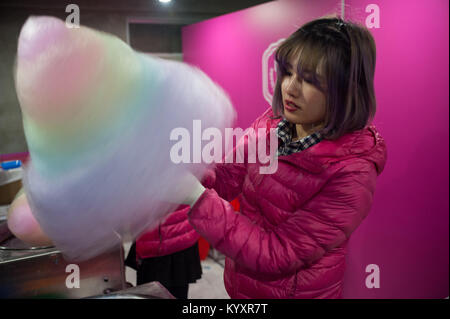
<point>97,118</point>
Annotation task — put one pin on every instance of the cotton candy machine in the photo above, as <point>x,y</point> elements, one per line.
<point>42,272</point>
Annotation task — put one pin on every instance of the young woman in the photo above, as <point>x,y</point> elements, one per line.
<point>289,238</point>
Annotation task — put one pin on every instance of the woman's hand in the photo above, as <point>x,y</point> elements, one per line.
<point>196,191</point>
<point>187,191</point>
<point>22,223</point>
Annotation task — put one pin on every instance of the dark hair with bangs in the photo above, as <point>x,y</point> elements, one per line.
<point>340,57</point>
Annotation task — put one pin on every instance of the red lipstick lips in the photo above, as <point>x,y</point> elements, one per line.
<point>290,106</point>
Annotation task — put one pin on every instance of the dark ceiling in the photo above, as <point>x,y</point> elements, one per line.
<point>195,9</point>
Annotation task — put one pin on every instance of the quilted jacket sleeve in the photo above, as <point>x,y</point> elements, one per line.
<point>226,180</point>
<point>325,222</point>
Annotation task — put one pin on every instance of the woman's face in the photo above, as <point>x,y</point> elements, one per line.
<point>303,103</point>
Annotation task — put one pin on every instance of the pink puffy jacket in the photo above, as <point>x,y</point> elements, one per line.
<point>173,235</point>
<point>289,238</point>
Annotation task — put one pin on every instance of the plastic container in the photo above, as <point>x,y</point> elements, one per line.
<point>11,165</point>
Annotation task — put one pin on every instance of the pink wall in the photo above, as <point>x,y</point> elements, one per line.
<point>407,232</point>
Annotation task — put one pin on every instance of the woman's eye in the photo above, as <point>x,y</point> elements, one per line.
<point>300,79</point>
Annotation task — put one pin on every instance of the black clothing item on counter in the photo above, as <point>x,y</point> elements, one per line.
<point>175,271</point>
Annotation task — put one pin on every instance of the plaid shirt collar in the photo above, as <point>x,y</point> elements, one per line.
<point>286,146</point>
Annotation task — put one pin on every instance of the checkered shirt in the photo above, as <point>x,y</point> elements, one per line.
<point>286,146</point>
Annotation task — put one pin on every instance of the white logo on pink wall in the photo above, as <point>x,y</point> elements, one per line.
<point>269,73</point>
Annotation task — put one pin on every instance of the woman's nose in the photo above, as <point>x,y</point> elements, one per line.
<point>293,86</point>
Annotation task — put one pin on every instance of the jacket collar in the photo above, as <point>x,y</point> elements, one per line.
<point>366,143</point>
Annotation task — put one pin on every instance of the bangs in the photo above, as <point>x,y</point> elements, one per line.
<point>338,58</point>
<point>309,56</point>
